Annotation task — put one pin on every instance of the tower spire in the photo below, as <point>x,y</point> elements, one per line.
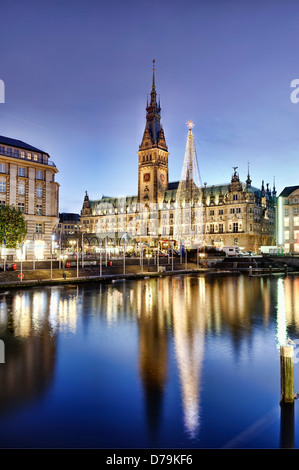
<point>248,181</point>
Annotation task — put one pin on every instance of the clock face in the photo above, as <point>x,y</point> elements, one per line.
<point>162,178</point>
<point>146,177</point>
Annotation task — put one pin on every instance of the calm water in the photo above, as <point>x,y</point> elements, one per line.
<point>175,362</point>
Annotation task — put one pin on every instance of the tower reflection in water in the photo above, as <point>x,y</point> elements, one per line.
<point>174,315</point>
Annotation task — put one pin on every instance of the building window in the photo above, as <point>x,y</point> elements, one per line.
<point>2,168</point>
<point>39,191</point>
<point>211,212</point>
<point>235,227</point>
<point>21,171</point>
<point>286,235</point>
<point>220,228</point>
<point>286,221</point>
<point>22,154</point>
<point>220,212</point>
<point>296,221</point>
<point>39,228</point>
<point>16,153</point>
<point>21,207</point>
<point>29,155</point>
<point>235,197</point>
<point>2,150</point>
<point>21,189</point>
<point>212,229</point>
<point>39,209</point>
<point>39,175</point>
<point>296,210</point>
<point>35,157</point>
<point>2,186</point>
<point>232,211</point>
<point>238,210</point>
<point>9,151</point>
<point>286,211</point>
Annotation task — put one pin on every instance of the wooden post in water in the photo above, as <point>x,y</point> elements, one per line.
<point>286,269</point>
<point>287,374</point>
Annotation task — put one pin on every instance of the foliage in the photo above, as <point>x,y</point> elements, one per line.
<point>12,223</point>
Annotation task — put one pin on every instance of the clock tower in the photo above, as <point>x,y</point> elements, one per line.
<point>153,154</point>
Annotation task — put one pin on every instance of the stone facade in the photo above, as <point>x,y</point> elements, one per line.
<point>27,181</point>
<point>288,219</point>
<point>235,213</point>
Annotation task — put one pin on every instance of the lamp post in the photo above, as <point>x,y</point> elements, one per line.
<point>124,242</point>
<point>101,258</point>
<point>141,257</point>
<point>172,256</point>
<point>63,258</point>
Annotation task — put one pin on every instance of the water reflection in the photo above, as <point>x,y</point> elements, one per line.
<point>173,315</point>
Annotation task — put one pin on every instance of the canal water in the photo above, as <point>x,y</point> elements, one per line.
<point>176,362</point>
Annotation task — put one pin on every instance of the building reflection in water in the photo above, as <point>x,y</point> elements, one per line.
<point>174,314</point>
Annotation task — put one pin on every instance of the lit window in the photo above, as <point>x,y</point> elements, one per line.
<point>286,234</point>
<point>296,221</point>
<point>21,190</point>
<point>39,191</point>
<point>22,154</point>
<point>39,175</point>
<point>21,171</point>
<point>29,155</point>
<point>39,228</point>
<point>35,157</point>
<point>2,168</point>
<point>286,221</point>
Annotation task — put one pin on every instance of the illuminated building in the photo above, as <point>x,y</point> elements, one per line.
<point>288,219</point>
<point>164,212</point>
<point>27,181</point>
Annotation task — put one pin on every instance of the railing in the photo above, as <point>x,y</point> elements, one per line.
<point>39,159</point>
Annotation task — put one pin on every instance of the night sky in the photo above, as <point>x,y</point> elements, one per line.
<point>77,74</point>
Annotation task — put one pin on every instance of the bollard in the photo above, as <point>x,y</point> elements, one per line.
<point>270,269</point>
<point>287,374</point>
<point>250,270</point>
<point>286,269</point>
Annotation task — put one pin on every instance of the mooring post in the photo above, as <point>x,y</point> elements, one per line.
<point>286,269</point>
<point>287,374</point>
<point>270,269</point>
<point>250,270</point>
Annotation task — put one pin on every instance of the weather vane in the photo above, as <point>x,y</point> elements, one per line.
<point>190,124</point>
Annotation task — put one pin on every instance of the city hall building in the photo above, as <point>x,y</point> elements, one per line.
<point>27,181</point>
<point>185,212</point>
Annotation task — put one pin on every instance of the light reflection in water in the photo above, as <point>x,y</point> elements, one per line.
<point>180,312</point>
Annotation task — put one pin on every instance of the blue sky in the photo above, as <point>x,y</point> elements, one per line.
<point>77,74</point>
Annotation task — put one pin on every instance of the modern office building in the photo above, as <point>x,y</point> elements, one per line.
<point>27,181</point>
<point>288,219</point>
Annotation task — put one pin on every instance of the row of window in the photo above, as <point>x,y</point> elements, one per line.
<point>295,235</point>
<point>17,153</point>
<point>21,189</point>
<point>22,171</point>
<point>38,208</point>
<point>287,221</point>
<point>296,211</point>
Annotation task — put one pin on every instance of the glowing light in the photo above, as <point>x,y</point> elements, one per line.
<point>190,124</point>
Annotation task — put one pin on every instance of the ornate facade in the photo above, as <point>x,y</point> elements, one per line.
<point>27,181</point>
<point>235,213</point>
